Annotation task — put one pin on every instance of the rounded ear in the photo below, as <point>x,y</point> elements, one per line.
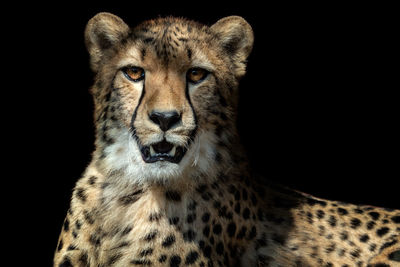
<point>236,37</point>
<point>102,32</point>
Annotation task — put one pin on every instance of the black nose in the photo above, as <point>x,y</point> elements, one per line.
<point>165,119</point>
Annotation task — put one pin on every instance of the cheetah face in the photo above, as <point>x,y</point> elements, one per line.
<point>172,84</point>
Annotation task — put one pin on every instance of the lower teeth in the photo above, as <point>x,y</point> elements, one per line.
<point>170,153</point>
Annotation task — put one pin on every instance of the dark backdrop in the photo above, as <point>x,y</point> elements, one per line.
<point>317,110</point>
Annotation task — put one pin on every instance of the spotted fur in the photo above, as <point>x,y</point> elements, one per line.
<point>207,209</point>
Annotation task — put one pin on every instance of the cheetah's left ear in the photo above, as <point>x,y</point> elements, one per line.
<point>236,37</point>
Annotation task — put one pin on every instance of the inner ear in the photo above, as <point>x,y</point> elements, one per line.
<point>235,35</point>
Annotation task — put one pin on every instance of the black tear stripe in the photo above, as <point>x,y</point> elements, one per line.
<point>194,131</point>
<point>133,129</point>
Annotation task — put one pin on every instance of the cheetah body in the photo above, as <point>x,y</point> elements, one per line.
<point>176,190</point>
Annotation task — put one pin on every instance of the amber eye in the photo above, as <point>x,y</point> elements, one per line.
<point>196,75</point>
<point>134,73</point>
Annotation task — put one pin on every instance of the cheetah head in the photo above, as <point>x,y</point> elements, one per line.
<point>165,91</point>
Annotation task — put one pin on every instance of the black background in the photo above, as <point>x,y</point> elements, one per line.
<point>318,110</point>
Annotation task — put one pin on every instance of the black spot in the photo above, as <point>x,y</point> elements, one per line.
<point>355,253</point>
<point>312,202</point>
<point>206,217</point>
<point>80,194</point>
<point>143,53</point>
<point>237,208</point>
<point>126,231</point>
<point>374,215</point>
<point>332,221</point>
<point>341,252</point>
<point>71,247</point>
<point>121,245</point>
<point>201,244</point>
<point>95,240</point>
<point>148,40</point>
<point>222,100</point>
<point>330,248</point>
<point>241,233</point>
<point>112,259</point>
<point>162,258</point>
<point>189,235</point>
<point>220,248</point>
<point>168,241</point>
<point>223,212</point>
<point>217,204</point>
<point>191,257</point>
<point>141,262</point>
<point>246,213</point>
<point>84,259</point>
<point>370,225</point>
<point>231,229</point>
<point>207,251</point>
<point>321,230</point>
<point>206,231</point>
<point>309,217</point>
<point>130,198</point>
<point>344,235</point>
<point>364,238</point>
<point>355,223</point>
<point>74,234</point>
<point>173,195</point>
<point>154,217</point>
<point>65,263</point>
<point>60,245</point>
<point>320,214</point>
<point>173,220</point>
<point>358,210</point>
<point>217,229</point>
<point>150,236</point>
<point>92,180</point>
<point>382,231</point>
<point>206,196</point>
<point>237,195</point>
<point>201,188</point>
<point>372,247</point>
<point>192,205</point>
<point>395,256</point>
<point>66,225</point>
<point>191,217</point>
<point>189,53</point>
<point>252,233</point>
<point>396,219</point>
<point>78,224</point>
<point>342,211</point>
<point>146,252</point>
<point>218,157</point>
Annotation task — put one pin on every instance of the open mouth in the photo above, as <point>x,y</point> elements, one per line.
<point>162,151</point>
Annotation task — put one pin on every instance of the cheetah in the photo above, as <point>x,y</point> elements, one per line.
<point>169,183</point>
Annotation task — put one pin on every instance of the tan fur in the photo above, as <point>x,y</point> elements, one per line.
<point>208,209</point>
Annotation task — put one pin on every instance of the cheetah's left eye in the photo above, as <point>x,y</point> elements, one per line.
<point>196,75</point>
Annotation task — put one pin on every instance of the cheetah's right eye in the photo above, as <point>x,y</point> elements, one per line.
<point>134,74</point>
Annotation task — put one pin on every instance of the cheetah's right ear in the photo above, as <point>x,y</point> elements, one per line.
<point>102,32</point>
